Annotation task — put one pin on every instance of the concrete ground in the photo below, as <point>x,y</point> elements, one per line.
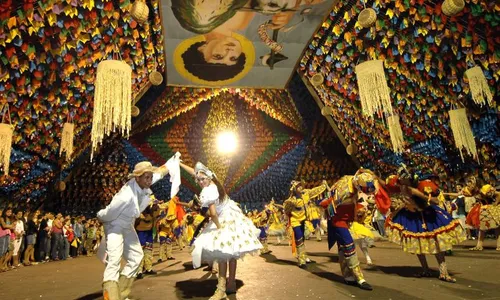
<point>274,276</point>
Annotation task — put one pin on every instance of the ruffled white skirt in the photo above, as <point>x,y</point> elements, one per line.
<point>237,237</point>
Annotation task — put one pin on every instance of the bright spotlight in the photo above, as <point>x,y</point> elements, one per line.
<point>226,142</point>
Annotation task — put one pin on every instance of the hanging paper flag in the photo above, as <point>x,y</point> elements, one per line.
<point>373,89</point>
<point>479,88</point>
<point>396,133</point>
<point>67,140</point>
<point>462,133</point>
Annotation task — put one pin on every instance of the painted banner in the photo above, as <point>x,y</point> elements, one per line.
<point>237,43</point>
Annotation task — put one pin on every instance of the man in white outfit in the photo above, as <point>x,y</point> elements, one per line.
<point>121,238</point>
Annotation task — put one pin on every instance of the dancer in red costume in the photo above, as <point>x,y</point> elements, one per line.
<point>419,225</point>
<point>341,211</point>
<point>485,215</point>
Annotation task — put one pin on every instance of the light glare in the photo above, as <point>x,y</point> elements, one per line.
<point>226,142</point>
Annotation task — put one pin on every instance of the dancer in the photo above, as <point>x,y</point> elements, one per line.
<point>121,239</point>
<point>469,192</point>
<point>260,222</point>
<point>228,236</point>
<point>277,228</point>
<point>485,215</point>
<point>296,207</point>
<point>314,213</point>
<point>144,228</point>
<point>166,233</point>
<point>341,210</point>
<point>362,234</point>
<point>419,225</point>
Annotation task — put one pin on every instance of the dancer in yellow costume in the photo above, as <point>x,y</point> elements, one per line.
<point>314,218</point>
<point>296,207</point>
<point>261,221</point>
<point>166,227</point>
<point>277,227</point>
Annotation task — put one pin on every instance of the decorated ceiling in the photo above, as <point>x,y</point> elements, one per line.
<point>49,51</point>
<point>425,56</point>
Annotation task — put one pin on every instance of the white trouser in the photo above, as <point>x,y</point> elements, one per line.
<point>122,242</point>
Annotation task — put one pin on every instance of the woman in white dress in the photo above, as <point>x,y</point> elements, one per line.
<point>228,236</point>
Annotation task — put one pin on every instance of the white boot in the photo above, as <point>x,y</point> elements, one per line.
<point>220,292</point>
<point>110,290</point>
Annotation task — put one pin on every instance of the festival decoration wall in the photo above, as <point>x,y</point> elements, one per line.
<point>273,181</point>
<point>325,157</point>
<point>93,185</point>
<point>47,67</point>
<point>27,181</point>
<point>426,55</point>
<point>175,101</point>
<point>193,134</point>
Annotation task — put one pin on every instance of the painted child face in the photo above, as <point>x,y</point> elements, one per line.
<point>224,51</point>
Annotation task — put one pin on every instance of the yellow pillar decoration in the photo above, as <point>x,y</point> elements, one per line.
<point>479,89</point>
<point>6,131</point>
<point>373,89</point>
<point>67,140</point>
<point>112,101</point>
<point>464,139</point>
<point>396,133</point>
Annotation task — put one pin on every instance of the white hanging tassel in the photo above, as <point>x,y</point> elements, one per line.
<point>112,101</point>
<point>479,89</point>
<point>67,140</point>
<point>6,132</point>
<point>396,133</point>
<point>373,89</point>
<point>462,133</point>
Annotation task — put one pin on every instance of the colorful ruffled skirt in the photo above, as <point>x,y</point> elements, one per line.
<point>276,229</point>
<point>308,229</point>
<point>484,217</point>
<point>430,231</point>
<point>237,237</point>
<point>362,235</point>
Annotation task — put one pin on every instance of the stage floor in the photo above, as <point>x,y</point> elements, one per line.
<point>274,276</point>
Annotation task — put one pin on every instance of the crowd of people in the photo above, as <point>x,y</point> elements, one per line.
<point>29,238</point>
<point>354,211</point>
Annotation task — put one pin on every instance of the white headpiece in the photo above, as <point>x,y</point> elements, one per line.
<point>199,167</point>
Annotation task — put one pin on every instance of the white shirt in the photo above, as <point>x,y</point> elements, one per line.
<point>49,223</point>
<point>210,195</point>
<point>127,204</point>
<point>19,229</point>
